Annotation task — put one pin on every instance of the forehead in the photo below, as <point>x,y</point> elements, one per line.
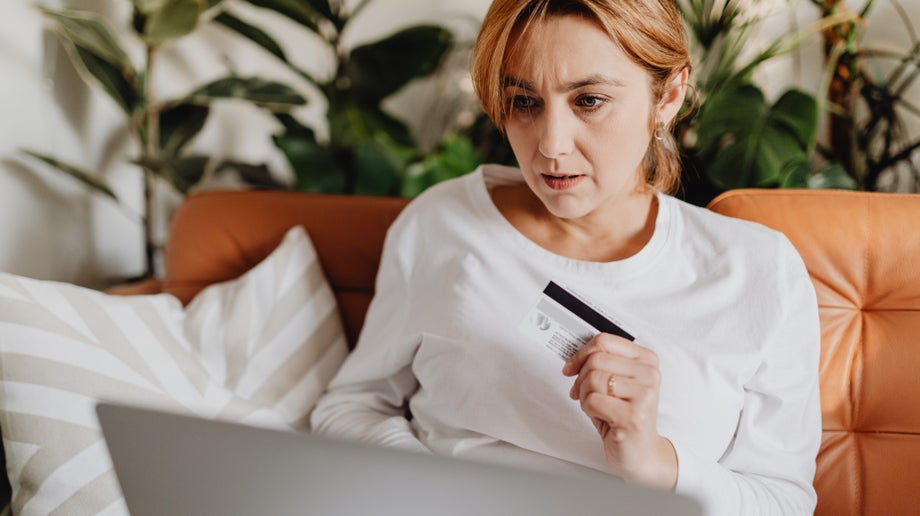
<point>568,48</point>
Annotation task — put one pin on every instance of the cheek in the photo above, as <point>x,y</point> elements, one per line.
<point>521,141</point>
<point>626,137</point>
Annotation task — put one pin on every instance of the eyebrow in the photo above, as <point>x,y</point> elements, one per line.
<point>511,82</point>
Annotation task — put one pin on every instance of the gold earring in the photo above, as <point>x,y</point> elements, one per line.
<point>659,131</point>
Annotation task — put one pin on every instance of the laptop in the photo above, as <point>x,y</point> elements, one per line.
<point>179,465</point>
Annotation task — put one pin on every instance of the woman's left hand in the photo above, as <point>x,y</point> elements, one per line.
<point>618,385</point>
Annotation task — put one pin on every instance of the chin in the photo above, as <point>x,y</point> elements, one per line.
<point>567,207</point>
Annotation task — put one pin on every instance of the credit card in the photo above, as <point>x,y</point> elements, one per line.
<point>563,322</point>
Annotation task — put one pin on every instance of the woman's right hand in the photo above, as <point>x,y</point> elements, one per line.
<point>618,384</point>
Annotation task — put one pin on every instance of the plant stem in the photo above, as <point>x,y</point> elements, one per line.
<point>839,42</point>
<point>150,151</point>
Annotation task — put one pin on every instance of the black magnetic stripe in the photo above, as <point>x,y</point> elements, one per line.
<point>585,312</point>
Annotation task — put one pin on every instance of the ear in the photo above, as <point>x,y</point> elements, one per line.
<point>673,98</point>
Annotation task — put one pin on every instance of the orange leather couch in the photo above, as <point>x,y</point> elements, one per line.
<point>862,250</point>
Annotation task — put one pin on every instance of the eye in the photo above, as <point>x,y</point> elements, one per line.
<point>523,103</point>
<point>590,102</point>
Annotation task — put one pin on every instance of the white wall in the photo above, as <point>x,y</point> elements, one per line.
<point>51,228</point>
<point>46,225</point>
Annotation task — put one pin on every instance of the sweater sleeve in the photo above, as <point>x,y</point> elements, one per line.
<point>770,465</point>
<point>366,399</point>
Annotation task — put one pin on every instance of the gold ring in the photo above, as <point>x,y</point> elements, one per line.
<point>612,385</point>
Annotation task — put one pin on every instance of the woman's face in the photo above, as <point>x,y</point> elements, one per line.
<point>579,123</point>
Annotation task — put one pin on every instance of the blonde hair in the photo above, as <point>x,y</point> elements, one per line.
<point>650,32</point>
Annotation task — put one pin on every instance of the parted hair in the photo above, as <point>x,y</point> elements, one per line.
<point>650,32</point>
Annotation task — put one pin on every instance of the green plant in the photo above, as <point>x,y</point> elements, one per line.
<point>161,128</point>
<point>736,138</point>
<point>868,104</point>
<point>367,150</point>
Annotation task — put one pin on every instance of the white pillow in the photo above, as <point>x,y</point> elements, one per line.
<point>259,349</point>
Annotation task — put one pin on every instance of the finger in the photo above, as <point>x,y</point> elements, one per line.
<point>607,364</point>
<point>602,342</point>
<point>593,375</point>
<point>609,385</point>
<point>611,410</point>
<point>642,373</point>
<point>610,345</point>
<point>592,379</point>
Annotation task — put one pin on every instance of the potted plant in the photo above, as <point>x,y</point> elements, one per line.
<point>736,138</point>
<point>367,151</point>
<point>867,104</point>
<point>162,128</point>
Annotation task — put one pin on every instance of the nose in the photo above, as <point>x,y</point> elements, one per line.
<point>557,136</point>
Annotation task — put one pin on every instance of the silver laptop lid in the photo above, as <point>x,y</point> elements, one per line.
<point>170,464</point>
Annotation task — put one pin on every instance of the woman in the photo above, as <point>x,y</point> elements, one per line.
<point>716,397</point>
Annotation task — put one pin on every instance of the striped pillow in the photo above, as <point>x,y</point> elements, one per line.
<point>259,349</point>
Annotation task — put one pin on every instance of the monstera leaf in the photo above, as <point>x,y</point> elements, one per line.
<point>800,175</point>
<point>351,124</point>
<point>744,141</point>
<point>379,163</point>
<point>454,157</point>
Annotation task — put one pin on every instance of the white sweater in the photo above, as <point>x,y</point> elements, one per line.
<point>726,304</point>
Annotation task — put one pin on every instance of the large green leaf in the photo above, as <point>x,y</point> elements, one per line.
<point>271,95</point>
<point>315,167</point>
<point>796,173</point>
<point>379,69</point>
<point>379,165</point>
<point>351,124</point>
<point>122,89</point>
<point>147,6</point>
<point>745,142</point>
<point>171,19</point>
<point>264,40</point>
<point>97,55</point>
<point>293,127</point>
<point>300,11</point>
<point>454,157</point>
<point>832,176</point>
<point>253,33</point>
<point>798,112</point>
<point>90,32</point>
<point>179,124</point>
<point>255,175</point>
<point>324,7</point>
<point>181,173</point>
<point>75,172</point>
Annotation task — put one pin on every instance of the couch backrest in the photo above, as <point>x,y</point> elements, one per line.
<point>862,251</point>
<point>216,236</point>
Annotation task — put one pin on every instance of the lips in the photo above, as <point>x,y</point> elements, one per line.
<point>562,182</point>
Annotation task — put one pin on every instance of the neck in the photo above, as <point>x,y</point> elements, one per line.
<point>612,232</point>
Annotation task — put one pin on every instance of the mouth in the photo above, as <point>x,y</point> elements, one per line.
<point>562,182</point>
